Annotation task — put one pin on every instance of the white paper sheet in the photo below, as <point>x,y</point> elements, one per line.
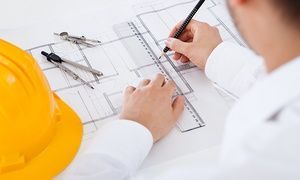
<point>153,20</point>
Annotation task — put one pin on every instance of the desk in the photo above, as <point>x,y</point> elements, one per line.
<point>32,12</point>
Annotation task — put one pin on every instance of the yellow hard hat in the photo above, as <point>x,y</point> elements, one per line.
<point>39,133</point>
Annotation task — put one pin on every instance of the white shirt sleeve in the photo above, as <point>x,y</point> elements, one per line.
<point>117,151</point>
<point>234,68</point>
<point>271,151</point>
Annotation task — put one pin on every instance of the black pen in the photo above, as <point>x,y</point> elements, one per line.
<point>184,24</point>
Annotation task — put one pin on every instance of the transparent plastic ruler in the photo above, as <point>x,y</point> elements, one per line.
<point>145,59</point>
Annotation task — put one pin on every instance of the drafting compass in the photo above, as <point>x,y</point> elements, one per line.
<point>58,61</point>
<point>78,39</point>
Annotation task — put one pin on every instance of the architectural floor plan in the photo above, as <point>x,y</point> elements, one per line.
<point>128,53</point>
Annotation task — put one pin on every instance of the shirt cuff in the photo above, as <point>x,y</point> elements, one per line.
<point>123,140</point>
<point>225,60</point>
<point>233,67</point>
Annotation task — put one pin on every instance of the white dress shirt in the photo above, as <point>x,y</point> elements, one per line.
<point>261,134</point>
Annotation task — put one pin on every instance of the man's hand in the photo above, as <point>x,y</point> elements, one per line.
<point>195,44</point>
<point>151,105</point>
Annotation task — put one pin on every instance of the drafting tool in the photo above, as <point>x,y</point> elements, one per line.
<point>78,39</point>
<point>184,24</point>
<point>124,60</point>
<point>139,49</point>
<point>56,60</point>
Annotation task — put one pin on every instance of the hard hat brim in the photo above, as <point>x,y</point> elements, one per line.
<point>60,152</point>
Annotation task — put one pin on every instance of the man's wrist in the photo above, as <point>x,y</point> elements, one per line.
<point>211,57</point>
<point>145,129</point>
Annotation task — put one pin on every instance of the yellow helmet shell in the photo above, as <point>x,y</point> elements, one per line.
<point>39,133</point>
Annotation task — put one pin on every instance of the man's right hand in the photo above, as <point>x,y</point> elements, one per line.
<point>195,44</point>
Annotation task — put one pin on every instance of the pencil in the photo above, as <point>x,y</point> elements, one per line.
<point>184,25</point>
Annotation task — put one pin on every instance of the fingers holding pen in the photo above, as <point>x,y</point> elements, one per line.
<point>190,29</point>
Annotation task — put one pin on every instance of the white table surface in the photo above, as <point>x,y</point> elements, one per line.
<point>18,13</point>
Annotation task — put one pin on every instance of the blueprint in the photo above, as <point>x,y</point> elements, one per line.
<point>129,53</point>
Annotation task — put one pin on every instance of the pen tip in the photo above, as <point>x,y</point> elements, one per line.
<point>161,55</point>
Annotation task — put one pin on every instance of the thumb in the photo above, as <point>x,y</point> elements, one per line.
<point>178,106</point>
<point>177,45</point>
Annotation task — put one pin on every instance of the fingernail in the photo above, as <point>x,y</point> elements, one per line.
<point>168,41</point>
<point>182,97</point>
